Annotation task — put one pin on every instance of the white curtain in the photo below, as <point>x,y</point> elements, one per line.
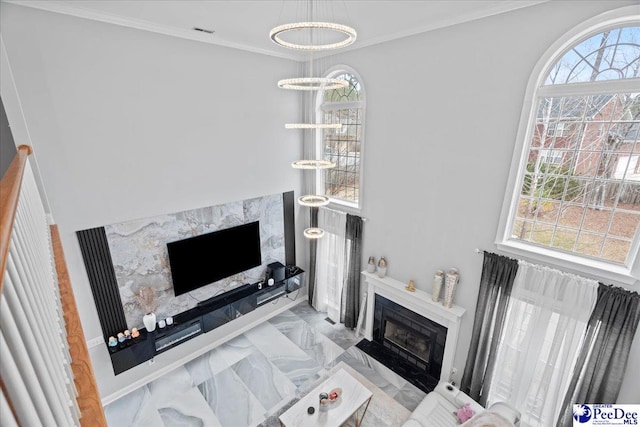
<point>330,263</point>
<point>546,320</point>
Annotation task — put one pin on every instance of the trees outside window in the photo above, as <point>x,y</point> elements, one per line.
<point>577,190</point>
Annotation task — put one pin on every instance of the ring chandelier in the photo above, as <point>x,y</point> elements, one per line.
<point>313,233</point>
<point>313,126</point>
<point>297,26</point>
<point>313,200</point>
<point>313,164</point>
<point>312,83</point>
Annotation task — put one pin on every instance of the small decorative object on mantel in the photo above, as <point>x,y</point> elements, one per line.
<point>148,301</point>
<point>121,340</point>
<point>438,281</point>
<point>382,267</point>
<point>371,265</point>
<point>113,343</point>
<point>450,286</point>
<point>149,321</point>
<point>411,287</point>
<point>135,333</point>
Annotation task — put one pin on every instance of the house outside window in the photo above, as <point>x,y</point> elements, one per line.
<point>344,146</point>
<point>558,129</point>
<point>574,198</point>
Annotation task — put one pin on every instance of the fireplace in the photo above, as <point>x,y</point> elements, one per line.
<point>407,343</point>
<point>410,333</point>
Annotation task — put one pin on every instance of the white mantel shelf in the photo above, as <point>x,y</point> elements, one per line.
<point>419,302</point>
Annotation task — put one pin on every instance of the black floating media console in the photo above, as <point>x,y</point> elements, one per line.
<point>207,316</point>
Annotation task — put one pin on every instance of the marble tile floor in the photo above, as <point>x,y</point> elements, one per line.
<point>242,382</point>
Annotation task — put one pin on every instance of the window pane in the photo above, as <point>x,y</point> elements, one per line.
<point>611,55</point>
<point>581,189</point>
<point>616,250</point>
<point>590,244</point>
<point>343,146</point>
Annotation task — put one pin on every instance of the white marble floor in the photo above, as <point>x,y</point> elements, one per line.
<point>248,378</point>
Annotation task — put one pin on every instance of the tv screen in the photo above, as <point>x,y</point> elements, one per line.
<point>204,259</point>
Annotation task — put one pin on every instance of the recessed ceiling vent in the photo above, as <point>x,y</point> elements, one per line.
<point>202,30</point>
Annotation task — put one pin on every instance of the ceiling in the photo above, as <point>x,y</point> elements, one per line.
<point>245,24</point>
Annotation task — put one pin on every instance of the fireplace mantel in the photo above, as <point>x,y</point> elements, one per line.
<point>419,302</point>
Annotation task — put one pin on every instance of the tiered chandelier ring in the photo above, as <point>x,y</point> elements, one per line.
<point>313,233</point>
<point>313,126</point>
<point>313,200</point>
<point>312,83</point>
<point>309,84</point>
<point>349,32</point>
<point>313,164</point>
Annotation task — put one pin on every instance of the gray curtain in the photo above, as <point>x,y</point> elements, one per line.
<point>313,249</point>
<point>350,300</point>
<point>498,274</point>
<point>599,370</point>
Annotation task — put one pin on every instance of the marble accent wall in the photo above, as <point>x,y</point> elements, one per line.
<point>139,252</point>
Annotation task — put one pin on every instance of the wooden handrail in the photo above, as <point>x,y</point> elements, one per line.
<point>9,195</point>
<point>91,411</point>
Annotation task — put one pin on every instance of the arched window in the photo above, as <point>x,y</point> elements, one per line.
<point>575,185</point>
<point>343,147</point>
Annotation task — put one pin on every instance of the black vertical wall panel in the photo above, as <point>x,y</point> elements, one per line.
<point>102,278</point>
<point>289,228</point>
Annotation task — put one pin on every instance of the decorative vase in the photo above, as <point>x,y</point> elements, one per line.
<point>149,321</point>
<point>438,281</point>
<point>450,287</point>
<point>382,267</point>
<point>371,265</point>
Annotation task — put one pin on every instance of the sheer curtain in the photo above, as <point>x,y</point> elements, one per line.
<point>604,354</point>
<point>546,320</point>
<point>330,263</point>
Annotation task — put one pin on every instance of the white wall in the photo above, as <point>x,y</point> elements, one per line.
<point>442,113</point>
<point>128,124</point>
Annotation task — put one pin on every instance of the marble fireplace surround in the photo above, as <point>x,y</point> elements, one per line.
<point>419,302</point>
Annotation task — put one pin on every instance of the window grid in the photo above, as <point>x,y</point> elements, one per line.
<point>343,146</point>
<point>589,176</point>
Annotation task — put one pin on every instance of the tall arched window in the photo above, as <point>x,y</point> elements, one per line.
<point>575,185</point>
<point>343,147</point>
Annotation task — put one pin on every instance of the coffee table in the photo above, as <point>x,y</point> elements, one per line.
<point>355,398</point>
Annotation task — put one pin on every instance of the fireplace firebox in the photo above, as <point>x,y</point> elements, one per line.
<point>407,343</point>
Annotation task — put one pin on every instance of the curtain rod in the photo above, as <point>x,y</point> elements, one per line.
<point>479,251</point>
<point>342,212</point>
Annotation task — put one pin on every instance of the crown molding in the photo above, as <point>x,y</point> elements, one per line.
<point>74,9</point>
<point>139,24</point>
<point>497,9</point>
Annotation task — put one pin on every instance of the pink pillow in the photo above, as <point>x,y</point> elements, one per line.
<point>464,413</point>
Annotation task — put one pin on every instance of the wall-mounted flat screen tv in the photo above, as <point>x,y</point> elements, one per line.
<point>207,258</point>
